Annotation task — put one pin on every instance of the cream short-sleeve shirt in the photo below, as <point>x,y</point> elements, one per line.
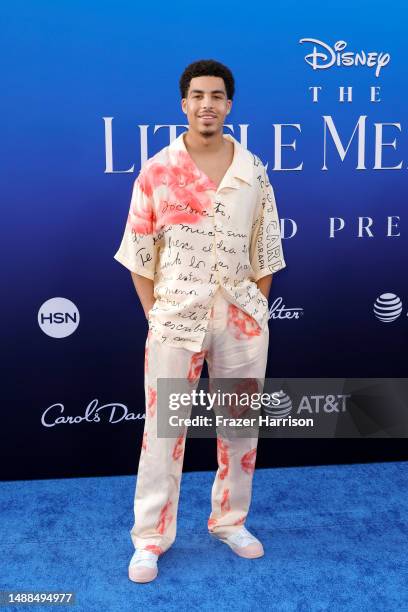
<point>191,238</point>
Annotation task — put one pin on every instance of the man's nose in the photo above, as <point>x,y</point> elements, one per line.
<point>207,102</point>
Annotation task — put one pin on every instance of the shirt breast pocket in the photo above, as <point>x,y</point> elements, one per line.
<point>240,207</point>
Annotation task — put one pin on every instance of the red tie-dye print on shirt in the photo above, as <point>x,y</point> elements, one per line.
<point>186,186</point>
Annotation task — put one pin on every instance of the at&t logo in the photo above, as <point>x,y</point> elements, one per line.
<point>387,307</point>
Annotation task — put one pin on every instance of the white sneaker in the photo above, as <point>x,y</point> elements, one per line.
<point>244,544</point>
<point>143,566</point>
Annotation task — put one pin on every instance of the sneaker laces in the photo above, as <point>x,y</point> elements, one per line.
<point>242,538</point>
<point>144,558</point>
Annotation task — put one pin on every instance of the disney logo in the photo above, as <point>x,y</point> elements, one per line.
<point>50,416</point>
<point>277,311</point>
<point>349,58</point>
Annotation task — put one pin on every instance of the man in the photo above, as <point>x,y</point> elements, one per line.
<point>202,241</point>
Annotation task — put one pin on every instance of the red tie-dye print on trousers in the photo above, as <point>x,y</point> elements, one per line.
<point>234,347</point>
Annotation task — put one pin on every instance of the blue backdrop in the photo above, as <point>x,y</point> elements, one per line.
<point>89,91</point>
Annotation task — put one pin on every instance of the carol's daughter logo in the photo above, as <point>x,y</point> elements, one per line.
<point>113,413</point>
<point>328,56</point>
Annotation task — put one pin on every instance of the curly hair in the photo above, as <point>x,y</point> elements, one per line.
<point>207,68</point>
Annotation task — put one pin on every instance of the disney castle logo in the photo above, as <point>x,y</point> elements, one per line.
<point>328,56</point>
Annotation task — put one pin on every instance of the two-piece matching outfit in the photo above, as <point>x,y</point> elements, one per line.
<point>204,247</point>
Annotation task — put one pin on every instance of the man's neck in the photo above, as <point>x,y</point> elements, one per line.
<point>196,143</point>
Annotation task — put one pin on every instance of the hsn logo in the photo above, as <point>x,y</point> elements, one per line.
<point>58,317</point>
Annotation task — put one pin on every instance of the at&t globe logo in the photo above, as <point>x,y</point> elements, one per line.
<point>387,307</point>
<point>281,407</point>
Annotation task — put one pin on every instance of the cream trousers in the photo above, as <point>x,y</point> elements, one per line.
<point>234,347</point>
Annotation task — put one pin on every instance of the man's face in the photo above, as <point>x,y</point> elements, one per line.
<point>206,105</point>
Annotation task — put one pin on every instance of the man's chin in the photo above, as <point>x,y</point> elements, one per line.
<point>206,132</point>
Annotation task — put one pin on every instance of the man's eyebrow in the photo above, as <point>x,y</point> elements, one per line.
<point>221,91</point>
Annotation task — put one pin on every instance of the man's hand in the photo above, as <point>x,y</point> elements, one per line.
<point>145,291</point>
<point>264,285</point>
<point>147,310</point>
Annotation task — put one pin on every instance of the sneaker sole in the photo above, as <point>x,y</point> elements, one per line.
<point>140,580</point>
<point>246,556</point>
<point>236,550</point>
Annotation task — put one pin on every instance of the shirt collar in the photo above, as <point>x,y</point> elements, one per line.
<point>240,168</point>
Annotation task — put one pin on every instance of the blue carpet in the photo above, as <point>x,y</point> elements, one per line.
<point>335,538</point>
